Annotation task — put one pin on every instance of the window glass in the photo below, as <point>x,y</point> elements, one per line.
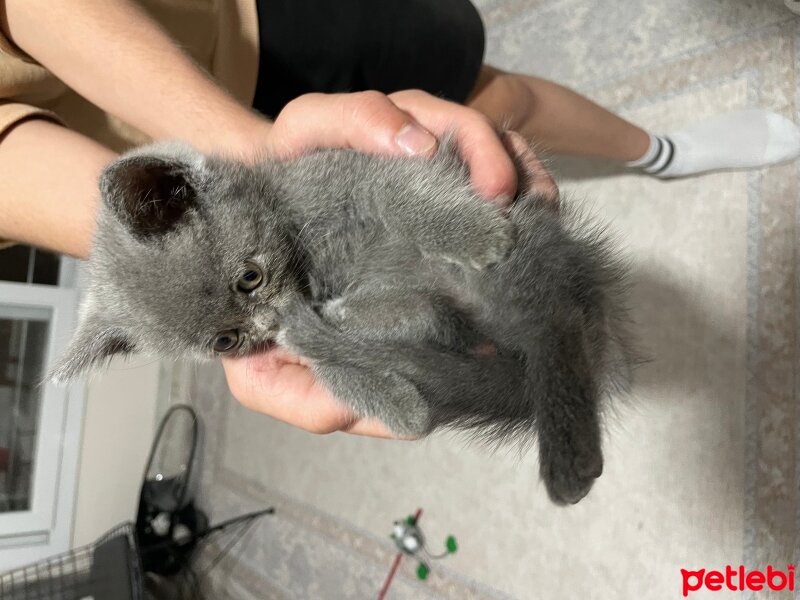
<point>24,264</point>
<point>22,350</point>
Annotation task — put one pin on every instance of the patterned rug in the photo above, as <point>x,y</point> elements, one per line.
<point>702,463</point>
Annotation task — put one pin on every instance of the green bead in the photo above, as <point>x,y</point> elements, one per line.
<point>451,544</point>
<point>422,571</point>
<point>411,520</point>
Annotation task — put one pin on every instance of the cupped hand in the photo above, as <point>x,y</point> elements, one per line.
<point>281,384</point>
<point>404,123</point>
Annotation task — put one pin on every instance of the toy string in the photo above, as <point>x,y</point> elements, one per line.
<point>388,582</point>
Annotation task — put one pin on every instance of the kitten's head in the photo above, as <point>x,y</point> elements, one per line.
<point>190,257</point>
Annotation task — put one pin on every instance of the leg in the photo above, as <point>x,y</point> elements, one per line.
<point>557,118</point>
<point>358,373</point>
<point>567,422</point>
<point>562,121</point>
<point>413,388</point>
<point>381,312</point>
<point>433,206</point>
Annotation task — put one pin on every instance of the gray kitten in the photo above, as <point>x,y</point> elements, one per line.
<point>416,301</point>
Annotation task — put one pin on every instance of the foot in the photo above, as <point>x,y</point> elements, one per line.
<point>745,139</point>
<point>570,460</point>
<point>480,235</point>
<point>570,476</point>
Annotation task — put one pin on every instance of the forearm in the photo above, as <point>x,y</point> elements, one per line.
<point>115,55</point>
<point>48,186</point>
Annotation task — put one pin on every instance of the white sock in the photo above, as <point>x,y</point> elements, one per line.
<point>740,140</point>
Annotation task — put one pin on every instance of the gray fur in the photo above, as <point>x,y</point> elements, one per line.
<point>388,274</point>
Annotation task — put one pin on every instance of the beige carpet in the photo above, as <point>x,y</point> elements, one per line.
<point>702,464</point>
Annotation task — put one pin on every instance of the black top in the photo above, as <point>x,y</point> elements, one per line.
<point>355,45</point>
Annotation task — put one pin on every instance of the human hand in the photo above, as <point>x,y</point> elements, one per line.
<point>281,384</point>
<point>404,123</point>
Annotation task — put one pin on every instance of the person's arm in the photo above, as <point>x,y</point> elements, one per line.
<point>48,186</point>
<point>116,56</point>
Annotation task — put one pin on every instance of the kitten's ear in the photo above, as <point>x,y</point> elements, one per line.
<point>94,342</point>
<point>149,193</point>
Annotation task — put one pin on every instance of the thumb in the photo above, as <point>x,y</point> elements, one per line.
<point>364,121</point>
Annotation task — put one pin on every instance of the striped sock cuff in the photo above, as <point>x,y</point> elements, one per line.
<point>658,156</point>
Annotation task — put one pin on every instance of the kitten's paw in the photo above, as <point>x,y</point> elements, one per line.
<point>402,408</point>
<point>303,332</point>
<point>282,338</point>
<point>334,310</point>
<point>486,245</point>
<point>496,246</point>
<point>386,396</point>
<point>570,472</point>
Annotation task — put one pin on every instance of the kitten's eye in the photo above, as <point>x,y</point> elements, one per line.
<point>250,279</point>
<point>226,341</point>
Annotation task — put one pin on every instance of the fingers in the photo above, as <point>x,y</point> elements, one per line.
<point>366,121</point>
<point>404,123</point>
<point>491,169</point>
<point>286,390</point>
<point>276,383</point>
<point>539,180</point>
<point>370,428</point>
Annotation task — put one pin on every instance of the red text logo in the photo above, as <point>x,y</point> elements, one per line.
<point>738,579</point>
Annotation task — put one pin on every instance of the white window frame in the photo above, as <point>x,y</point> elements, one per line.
<point>46,528</point>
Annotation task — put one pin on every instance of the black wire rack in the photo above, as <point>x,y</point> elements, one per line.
<point>108,569</point>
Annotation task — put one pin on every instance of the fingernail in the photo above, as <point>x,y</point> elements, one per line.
<point>413,139</point>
